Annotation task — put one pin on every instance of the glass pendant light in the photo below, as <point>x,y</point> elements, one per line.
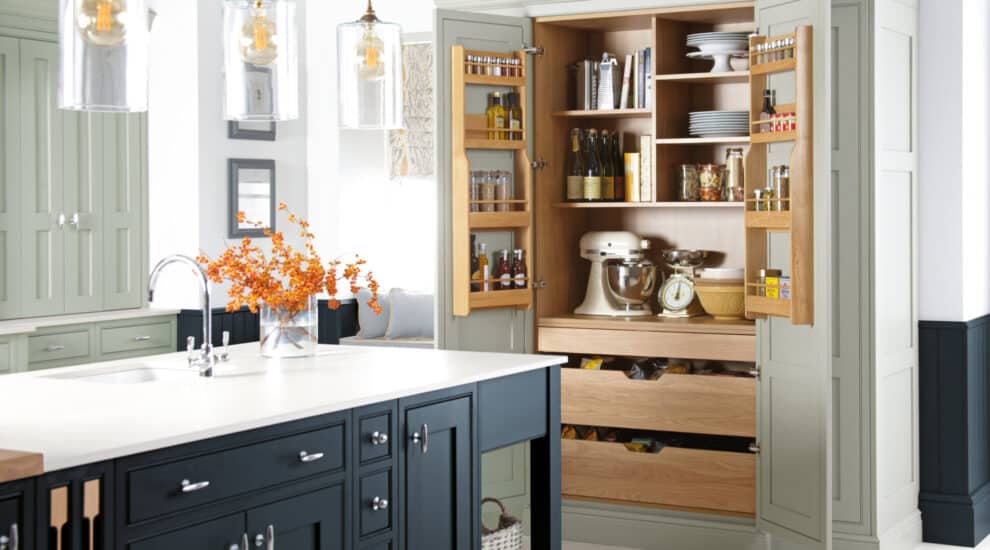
<point>261,63</point>
<point>369,73</point>
<point>103,55</point>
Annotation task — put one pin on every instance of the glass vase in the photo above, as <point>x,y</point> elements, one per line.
<point>286,335</point>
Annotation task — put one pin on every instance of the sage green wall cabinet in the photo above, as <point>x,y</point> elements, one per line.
<point>73,209</point>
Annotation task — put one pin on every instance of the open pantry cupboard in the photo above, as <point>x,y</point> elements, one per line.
<point>720,468</point>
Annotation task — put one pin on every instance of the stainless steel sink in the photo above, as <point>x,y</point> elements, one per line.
<point>125,375</point>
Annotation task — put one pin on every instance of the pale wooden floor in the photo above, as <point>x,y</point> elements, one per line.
<point>985,545</point>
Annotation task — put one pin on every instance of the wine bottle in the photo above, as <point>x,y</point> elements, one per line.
<point>608,167</point>
<point>574,190</point>
<point>592,168</point>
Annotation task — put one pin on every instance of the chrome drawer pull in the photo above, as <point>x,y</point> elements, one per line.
<point>142,338</point>
<point>379,438</point>
<point>379,503</point>
<point>12,542</point>
<point>306,457</point>
<point>50,349</point>
<point>190,487</point>
<point>422,438</point>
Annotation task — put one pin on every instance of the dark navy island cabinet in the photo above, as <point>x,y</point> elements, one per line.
<point>399,475</point>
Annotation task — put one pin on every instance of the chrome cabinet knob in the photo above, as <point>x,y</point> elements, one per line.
<point>259,540</point>
<point>74,221</point>
<point>379,503</point>
<point>190,487</point>
<point>305,457</point>
<point>11,541</point>
<point>379,438</point>
<point>266,540</point>
<point>422,438</point>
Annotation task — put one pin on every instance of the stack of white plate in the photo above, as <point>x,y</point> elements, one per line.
<point>718,123</point>
<point>720,47</point>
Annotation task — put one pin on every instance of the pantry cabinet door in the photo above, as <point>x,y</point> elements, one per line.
<point>125,207</point>
<point>42,259</point>
<point>82,201</point>
<point>794,496</point>
<point>506,329</point>
<point>10,179</point>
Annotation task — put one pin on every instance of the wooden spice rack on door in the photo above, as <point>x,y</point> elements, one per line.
<point>798,219</point>
<point>469,131</point>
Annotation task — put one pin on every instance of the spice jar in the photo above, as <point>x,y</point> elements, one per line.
<point>766,277</point>
<point>487,192</point>
<point>733,184</point>
<point>758,202</point>
<point>477,180</point>
<point>687,182</point>
<point>503,190</point>
<point>780,186</point>
<point>710,182</point>
<point>503,271</point>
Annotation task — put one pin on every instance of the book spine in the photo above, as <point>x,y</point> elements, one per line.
<point>641,90</point>
<point>648,68</point>
<point>646,146</point>
<point>626,76</point>
<point>635,72</point>
<point>633,164</point>
<point>594,85</point>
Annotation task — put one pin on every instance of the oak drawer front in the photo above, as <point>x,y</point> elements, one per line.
<point>58,347</point>
<point>151,336</point>
<point>159,490</point>
<point>376,437</point>
<point>713,405</point>
<point>679,478</point>
<point>375,516</point>
<point>685,345</point>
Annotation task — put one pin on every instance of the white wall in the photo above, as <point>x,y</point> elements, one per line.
<point>189,148</point>
<point>954,119</point>
<point>354,205</point>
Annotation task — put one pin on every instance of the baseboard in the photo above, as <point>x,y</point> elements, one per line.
<point>959,521</point>
<point>905,535</point>
<point>649,529</point>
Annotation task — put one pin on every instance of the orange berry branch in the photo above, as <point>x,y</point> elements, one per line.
<point>286,279</point>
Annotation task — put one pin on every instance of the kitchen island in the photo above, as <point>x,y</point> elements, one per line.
<point>354,448</point>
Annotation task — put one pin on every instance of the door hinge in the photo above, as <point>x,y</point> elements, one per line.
<point>538,164</point>
<point>540,284</point>
<point>755,373</point>
<point>754,447</point>
<point>532,50</point>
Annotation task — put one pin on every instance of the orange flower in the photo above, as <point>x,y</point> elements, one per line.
<point>285,279</point>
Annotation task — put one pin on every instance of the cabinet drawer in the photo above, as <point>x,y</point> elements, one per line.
<point>373,517</point>
<point>376,437</point>
<point>58,347</point>
<point>159,490</point>
<point>136,338</point>
<point>633,343</point>
<point>692,479</point>
<point>713,405</point>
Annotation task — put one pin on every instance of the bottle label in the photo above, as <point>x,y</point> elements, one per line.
<point>608,188</point>
<point>515,124</point>
<point>505,281</point>
<point>520,280</point>
<point>499,121</point>
<point>575,188</point>
<point>592,188</point>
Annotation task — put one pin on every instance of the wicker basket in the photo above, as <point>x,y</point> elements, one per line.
<point>508,534</point>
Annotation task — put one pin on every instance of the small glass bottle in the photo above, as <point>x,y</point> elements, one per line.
<point>515,117</point>
<point>503,273</point>
<point>519,273</point>
<point>496,116</point>
<point>574,185</point>
<point>488,191</point>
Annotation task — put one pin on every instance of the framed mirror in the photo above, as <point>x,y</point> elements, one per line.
<point>252,191</point>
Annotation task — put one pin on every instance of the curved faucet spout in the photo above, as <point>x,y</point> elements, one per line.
<point>207,359</point>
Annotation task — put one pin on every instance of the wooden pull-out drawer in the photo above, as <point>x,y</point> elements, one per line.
<point>636,343</point>
<point>688,479</point>
<point>714,405</point>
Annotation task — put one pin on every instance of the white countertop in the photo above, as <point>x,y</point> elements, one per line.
<point>24,326</point>
<point>75,422</point>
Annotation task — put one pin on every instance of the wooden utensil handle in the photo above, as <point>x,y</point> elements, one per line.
<point>58,512</point>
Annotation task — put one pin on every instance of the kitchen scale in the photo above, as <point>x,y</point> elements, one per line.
<point>677,297</point>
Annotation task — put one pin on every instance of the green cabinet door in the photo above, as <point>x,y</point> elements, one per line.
<point>10,178</point>
<point>42,258</point>
<point>124,198</point>
<point>82,201</point>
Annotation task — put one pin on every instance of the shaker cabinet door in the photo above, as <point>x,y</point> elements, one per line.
<point>314,521</point>
<point>219,534</point>
<point>439,469</point>
<point>124,205</point>
<point>10,179</point>
<point>42,260</point>
<point>82,201</point>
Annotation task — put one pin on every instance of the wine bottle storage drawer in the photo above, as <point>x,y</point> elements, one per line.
<point>688,479</point>
<point>632,343</point>
<point>687,403</point>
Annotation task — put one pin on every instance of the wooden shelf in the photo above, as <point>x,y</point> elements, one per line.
<point>498,220</point>
<point>495,144</point>
<point>768,220</point>
<point>773,137</point>
<point>706,78</point>
<point>711,204</point>
<point>521,298</point>
<point>614,113</point>
<point>703,140</point>
<point>761,305</point>
<point>486,80</point>
<point>699,325</point>
<point>781,66</point>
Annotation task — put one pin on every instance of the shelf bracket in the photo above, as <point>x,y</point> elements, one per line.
<point>538,164</point>
<point>532,50</point>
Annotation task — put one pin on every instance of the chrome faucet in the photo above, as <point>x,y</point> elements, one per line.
<point>205,359</point>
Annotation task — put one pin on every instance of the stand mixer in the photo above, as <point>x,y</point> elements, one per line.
<point>621,281</point>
